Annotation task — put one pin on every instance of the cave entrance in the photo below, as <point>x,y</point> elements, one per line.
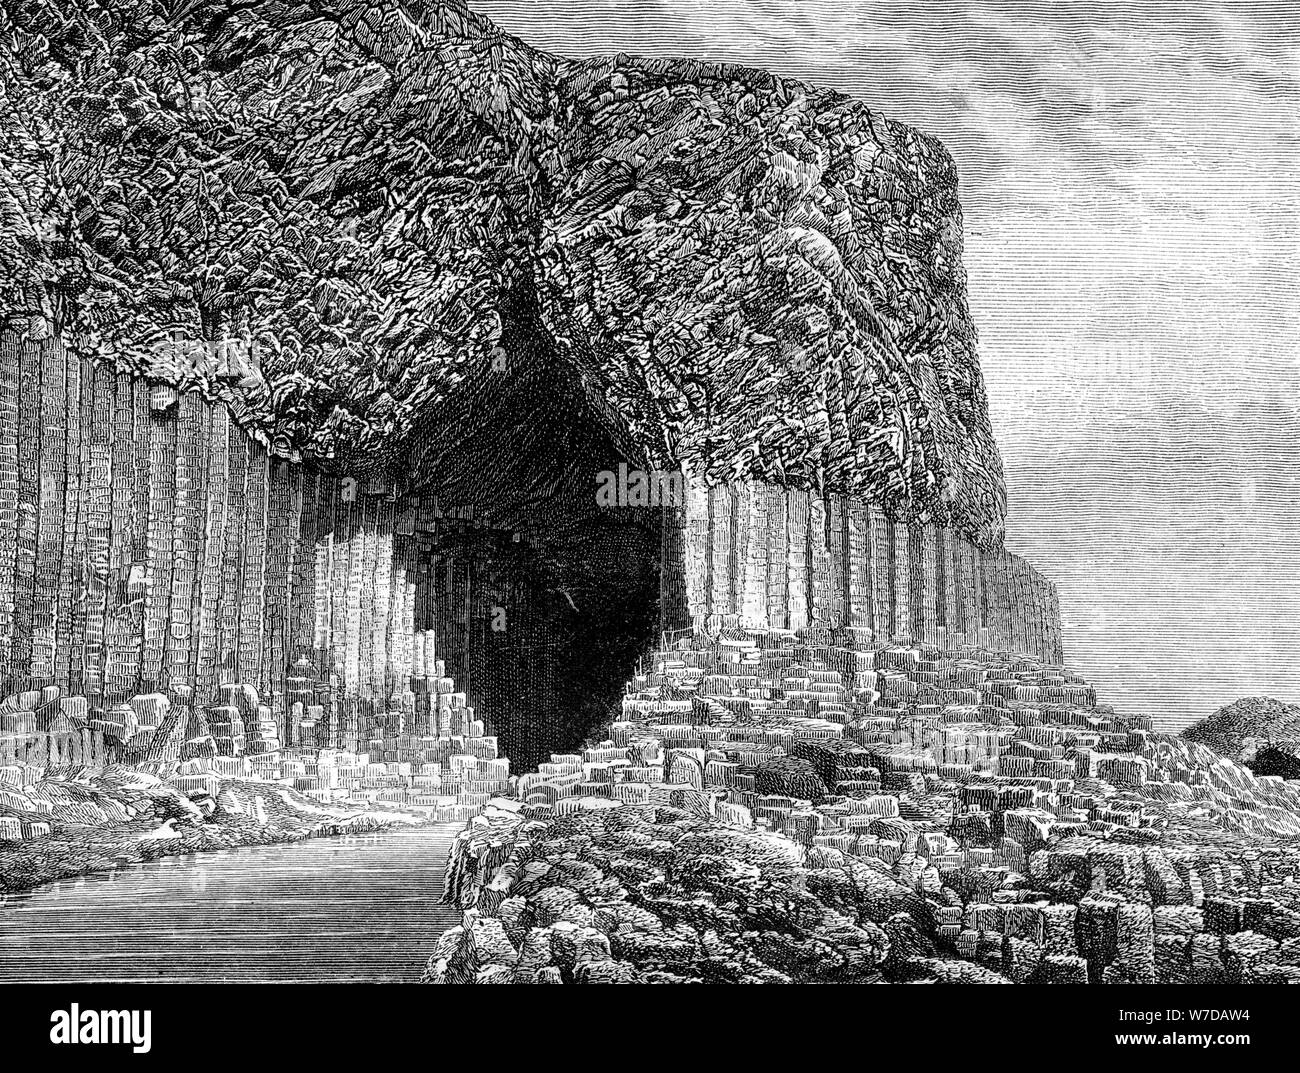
<point>543,595</point>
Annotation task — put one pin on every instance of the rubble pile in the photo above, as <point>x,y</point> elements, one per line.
<point>1022,827</point>
<point>428,752</point>
<point>429,757</point>
<point>656,895</point>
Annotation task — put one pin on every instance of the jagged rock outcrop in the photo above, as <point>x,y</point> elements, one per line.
<point>1238,728</point>
<point>741,274</point>
<point>967,806</point>
<point>655,896</point>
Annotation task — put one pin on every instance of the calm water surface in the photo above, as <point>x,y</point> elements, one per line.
<point>355,908</point>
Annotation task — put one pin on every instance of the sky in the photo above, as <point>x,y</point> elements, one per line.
<point>1130,181</point>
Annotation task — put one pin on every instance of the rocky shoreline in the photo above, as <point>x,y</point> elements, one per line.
<point>810,806</point>
<point>631,894</point>
<point>143,819</point>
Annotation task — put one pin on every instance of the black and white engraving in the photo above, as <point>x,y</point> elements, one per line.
<point>570,494</point>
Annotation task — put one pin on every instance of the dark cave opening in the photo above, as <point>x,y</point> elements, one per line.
<point>542,598</point>
<point>543,649</point>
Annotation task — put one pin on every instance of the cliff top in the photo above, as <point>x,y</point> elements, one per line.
<point>744,274</point>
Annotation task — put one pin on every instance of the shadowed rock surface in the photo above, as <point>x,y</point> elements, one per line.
<point>1236,728</point>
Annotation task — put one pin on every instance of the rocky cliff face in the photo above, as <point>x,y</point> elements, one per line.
<point>782,268</point>
<point>750,277</point>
